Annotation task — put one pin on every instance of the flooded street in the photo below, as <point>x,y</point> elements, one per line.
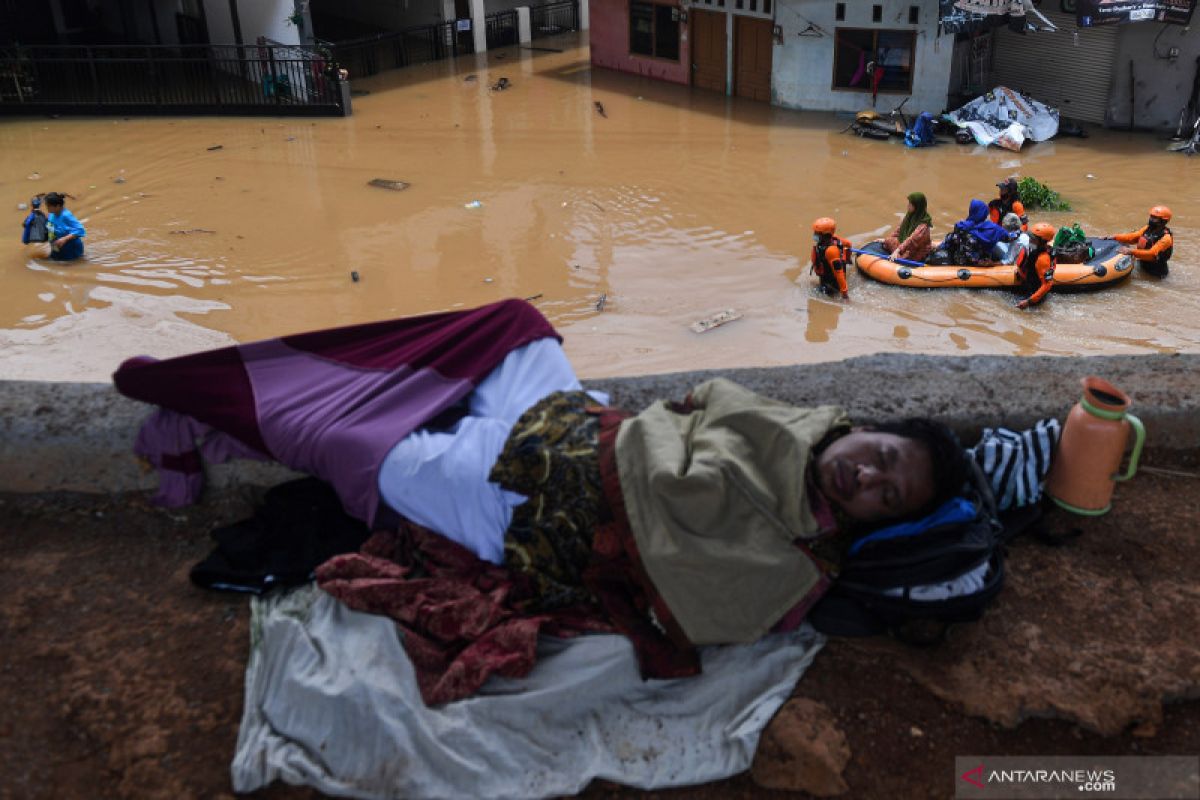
<point>674,206</point>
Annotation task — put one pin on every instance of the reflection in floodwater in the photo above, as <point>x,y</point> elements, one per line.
<point>675,206</point>
<point>822,319</point>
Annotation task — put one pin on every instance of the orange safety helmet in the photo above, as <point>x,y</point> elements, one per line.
<point>1162,212</point>
<point>825,225</point>
<point>1043,230</point>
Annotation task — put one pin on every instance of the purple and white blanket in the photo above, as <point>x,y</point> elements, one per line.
<point>330,403</point>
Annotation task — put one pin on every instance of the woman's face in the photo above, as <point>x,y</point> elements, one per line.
<point>911,208</point>
<point>873,476</point>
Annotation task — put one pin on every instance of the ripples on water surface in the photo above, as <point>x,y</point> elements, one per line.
<point>675,206</point>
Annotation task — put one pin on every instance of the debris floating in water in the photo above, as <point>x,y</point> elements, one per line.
<point>501,85</point>
<point>1090,176</point>
<point>36,176</point>
<point>387,183</point>
<point>715,321</point>
<point>533,297</point>
<point>473,204</point>
<point>470,78</point>
<point>216,147</point>
<point>119,179</point>
<point>354,275</point>
<point>602,302</point>
<point>488,280</point>
<point>600,109</point>
<point>183,232</point>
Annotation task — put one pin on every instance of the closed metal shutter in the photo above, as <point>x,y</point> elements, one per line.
<point>1070,69</point>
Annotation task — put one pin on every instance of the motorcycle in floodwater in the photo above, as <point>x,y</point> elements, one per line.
<point>1190,145</point>
<point>872,125</point>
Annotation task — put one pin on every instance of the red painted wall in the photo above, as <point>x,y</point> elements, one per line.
<point>609,37</point>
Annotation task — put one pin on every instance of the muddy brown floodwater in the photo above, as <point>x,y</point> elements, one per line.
<point>674,206</point>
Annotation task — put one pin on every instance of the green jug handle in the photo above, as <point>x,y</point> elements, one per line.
<point>1139,433</point>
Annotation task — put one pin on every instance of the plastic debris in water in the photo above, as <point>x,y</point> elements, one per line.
<point>386,183</point>
<point>473,204</point>
<point>354,275</point>
<point>715,321</point>
<point>1090,176</point>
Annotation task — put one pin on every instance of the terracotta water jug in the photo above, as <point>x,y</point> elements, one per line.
<point>1087,463</point>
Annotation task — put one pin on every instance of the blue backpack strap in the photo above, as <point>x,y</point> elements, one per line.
<point>954,510</point>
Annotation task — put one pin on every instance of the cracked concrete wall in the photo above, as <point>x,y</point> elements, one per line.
<point>78,437</point>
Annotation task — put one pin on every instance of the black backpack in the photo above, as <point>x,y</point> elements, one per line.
<point>863,599</point>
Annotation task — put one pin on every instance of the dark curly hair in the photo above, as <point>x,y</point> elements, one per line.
<point>946,453</point>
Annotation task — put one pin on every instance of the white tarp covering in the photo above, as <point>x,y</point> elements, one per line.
<point>1006,118</point>
<point>332,703</point>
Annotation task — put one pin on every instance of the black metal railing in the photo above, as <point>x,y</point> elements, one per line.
<point>369,55</point>
<point>501,28</point>
<point>551,18</point>
<point>190,79</point>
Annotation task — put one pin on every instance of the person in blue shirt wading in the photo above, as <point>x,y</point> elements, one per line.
<point>66,232</point>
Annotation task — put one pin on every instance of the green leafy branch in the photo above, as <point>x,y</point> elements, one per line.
<point>1038,195</point>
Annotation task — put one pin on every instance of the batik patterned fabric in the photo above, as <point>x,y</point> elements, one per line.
<point>330,403</point>
<point>460,615</point>
<point>552,457</point>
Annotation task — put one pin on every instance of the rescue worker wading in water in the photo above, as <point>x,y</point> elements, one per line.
<point>829,257</point>
<point>1009,202</point>
<point>1035,266</point>
<point>1153,243</point>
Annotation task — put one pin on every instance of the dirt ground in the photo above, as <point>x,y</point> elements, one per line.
<point>122,680</point>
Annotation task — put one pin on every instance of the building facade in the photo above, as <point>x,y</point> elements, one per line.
<point>804,54</point>
<point>847,56</point>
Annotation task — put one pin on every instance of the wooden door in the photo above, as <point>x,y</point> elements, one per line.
<point>708,50</point>
<point>752,48</point>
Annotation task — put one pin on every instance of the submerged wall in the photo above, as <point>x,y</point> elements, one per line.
<point>1162,85</point>
<point>609,39</point>
<point>77,437</point>
<point>802,72</point>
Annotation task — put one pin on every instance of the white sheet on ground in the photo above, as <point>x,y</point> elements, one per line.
<point>1006,118</point>
<point>332,703</point>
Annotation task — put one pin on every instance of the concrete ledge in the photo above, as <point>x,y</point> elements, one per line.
<point>78,436</point>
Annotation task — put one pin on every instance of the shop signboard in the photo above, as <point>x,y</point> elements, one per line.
<point>1089,13</point>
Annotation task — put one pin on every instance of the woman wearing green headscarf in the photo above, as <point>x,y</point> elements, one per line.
<point>911,238</point>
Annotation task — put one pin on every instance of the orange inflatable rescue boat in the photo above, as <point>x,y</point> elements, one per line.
<point>1106,268</point>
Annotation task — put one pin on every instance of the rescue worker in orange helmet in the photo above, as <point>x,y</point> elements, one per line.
<point>1154,244</point>
<point>830,255</point>
<point>1009,202</point>
<point>1035,267</point>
